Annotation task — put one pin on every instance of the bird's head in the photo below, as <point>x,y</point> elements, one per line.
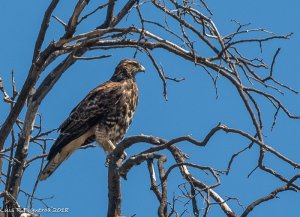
<point>127,69</point>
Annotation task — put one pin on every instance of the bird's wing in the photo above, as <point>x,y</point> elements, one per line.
<point>86,115</point>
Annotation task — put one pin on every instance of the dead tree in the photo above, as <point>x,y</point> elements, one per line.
<point>194,27</point>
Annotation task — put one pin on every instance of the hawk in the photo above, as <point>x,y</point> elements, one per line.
<point>104,116</point>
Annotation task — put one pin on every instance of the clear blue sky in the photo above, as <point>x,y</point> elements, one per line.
<point>80,184</point>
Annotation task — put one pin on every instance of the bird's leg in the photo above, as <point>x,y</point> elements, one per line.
<point>109,148</point>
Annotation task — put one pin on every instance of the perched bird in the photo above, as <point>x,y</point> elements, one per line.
<point>104,115</point>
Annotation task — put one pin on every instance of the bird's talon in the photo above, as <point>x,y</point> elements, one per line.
<point>124,155</point>
<point>107,161</point>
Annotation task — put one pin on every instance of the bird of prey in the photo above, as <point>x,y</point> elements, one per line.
<point>104,116</point>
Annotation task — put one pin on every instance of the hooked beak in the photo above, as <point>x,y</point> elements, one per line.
<point>142,69</point>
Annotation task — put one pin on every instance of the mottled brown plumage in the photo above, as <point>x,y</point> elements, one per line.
<point>104,115</point>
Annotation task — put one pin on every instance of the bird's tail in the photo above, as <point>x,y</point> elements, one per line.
<point>51,166</point>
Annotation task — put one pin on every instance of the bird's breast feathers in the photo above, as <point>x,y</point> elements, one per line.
<point>119,117</point>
